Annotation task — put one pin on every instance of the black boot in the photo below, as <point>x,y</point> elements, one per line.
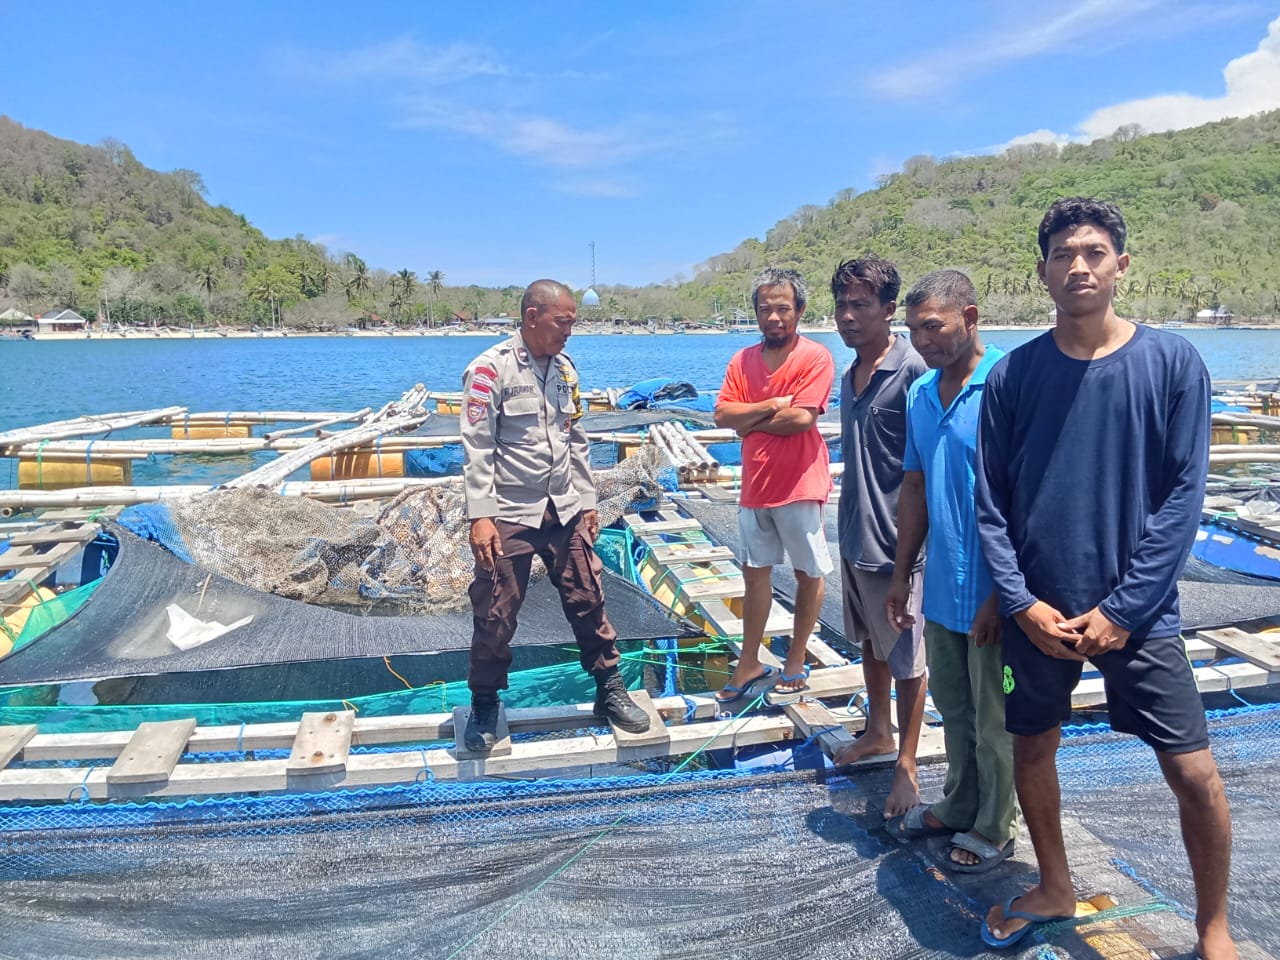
<point>482,725</point>
<point>613,703</point>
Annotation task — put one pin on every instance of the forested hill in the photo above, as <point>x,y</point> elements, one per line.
<point>1202,205</point>
<point>91,228</point>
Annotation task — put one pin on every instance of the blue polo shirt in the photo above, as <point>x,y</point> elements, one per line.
<point>943,445</point>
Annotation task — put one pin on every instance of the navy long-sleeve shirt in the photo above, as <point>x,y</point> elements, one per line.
<point>1091,477</point>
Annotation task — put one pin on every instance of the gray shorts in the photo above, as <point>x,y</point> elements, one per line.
<point>867,623</point>
<point>765,534</point>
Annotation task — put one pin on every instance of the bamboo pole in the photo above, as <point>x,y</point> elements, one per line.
<point>264,416</point>
<point>229,446</point>
<point>1244,457</point>
<point>1246,420</point>
<point>659,440</point>
<point>273,473</point>
<point>329,491</point>
<point>318,425</point>
<point>1225,448</point>
<point>84,426</point>
<point>699,450</point>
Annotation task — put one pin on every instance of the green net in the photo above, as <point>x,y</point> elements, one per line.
<point>536,687</point>
<point>49,613</point>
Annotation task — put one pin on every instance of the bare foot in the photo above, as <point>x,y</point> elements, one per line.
<point>1035,900</point>
<point>867,745</point>
<point>904,795</point>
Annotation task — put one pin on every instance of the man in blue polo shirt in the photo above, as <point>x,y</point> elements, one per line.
<point>962,621</point>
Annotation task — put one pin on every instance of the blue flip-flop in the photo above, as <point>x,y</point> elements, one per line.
<point>793,677</point>
<point>991,940</point>
<point>741,692</point>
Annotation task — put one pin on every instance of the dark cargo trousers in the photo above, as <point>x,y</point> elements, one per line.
<point>497,595</point>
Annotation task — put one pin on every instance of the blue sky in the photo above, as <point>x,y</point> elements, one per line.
<point>494,141</point>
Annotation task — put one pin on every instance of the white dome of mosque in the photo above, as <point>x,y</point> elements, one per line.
<point>590,298</point>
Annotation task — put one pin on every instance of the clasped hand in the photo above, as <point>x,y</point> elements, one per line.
<point>1074,638</point>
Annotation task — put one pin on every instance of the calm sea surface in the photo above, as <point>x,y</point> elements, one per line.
<point>53,380</point>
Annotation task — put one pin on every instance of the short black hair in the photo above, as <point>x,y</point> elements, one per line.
<point>950,288</point>
<point>540,293</point>
<point>1077,211</point>
<point>876,272</point>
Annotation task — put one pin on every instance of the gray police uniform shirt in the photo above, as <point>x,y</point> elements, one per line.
<point>522,440</point>
<point>873,441</point>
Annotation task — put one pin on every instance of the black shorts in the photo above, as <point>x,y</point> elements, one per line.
<point>1150,686</point>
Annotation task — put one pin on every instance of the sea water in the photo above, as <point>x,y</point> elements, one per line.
<point>42,381</point>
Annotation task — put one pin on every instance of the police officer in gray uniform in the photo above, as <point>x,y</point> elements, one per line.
<point>529,491</point>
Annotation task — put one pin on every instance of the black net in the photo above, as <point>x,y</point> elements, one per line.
<point>763,865</point>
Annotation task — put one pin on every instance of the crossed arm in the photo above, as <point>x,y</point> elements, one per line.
<point>775,416</point>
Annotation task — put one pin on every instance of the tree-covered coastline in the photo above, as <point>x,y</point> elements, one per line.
<point>91,229</point>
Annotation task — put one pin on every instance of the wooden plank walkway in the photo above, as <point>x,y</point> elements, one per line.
<point>701,581</point>
<point>171,759</point>
<point>147,761</point>
<point>34,554</point>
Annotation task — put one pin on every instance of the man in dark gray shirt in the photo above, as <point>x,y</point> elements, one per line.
<point>873,436</point>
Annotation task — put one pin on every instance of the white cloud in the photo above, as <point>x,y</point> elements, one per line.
<point>469,91</point>
<point>1252,85</point>
<point>400,60</point>
<point>994,47</point>
<point>326,239</point>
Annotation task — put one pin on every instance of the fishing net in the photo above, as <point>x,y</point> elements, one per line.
<point>754,865</point>
<point>414,550</point>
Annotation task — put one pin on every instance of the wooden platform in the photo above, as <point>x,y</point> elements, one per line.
<point>34,554</point>
<point>165,759</point>
<point>172,759</point>
<point>1261,666</point>
<point>697,578</point>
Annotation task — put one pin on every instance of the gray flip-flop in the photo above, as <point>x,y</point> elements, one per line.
<point>989,855</point>
<point>911,826</point>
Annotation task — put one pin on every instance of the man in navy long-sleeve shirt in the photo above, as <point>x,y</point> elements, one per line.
<point>1093,450</point>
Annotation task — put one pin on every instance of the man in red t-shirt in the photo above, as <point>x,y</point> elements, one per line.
<point>772,395</point>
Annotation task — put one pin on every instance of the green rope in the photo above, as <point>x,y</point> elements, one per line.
<point>1047,931</point>
<point>40,463</point>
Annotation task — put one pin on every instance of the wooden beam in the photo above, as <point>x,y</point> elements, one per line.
<point>501,739</point>
<point>13,739</point>
<point>25,558</point>
<point>322,744</point>
<point>813,719</point>
<point>56,534</point>
<point>830,683</point>
<point>1259,649</point>
<point>634,745</point>
<point>152,752</point>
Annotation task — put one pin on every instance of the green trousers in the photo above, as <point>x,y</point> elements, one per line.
<point>965,681</point>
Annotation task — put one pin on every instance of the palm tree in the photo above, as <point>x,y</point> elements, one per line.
<point>435,282</point>
<point>358,282</point>
<point>207,279</point>
<point>407,280</point>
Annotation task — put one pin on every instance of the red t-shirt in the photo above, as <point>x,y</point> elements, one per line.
<point>778,470</point>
